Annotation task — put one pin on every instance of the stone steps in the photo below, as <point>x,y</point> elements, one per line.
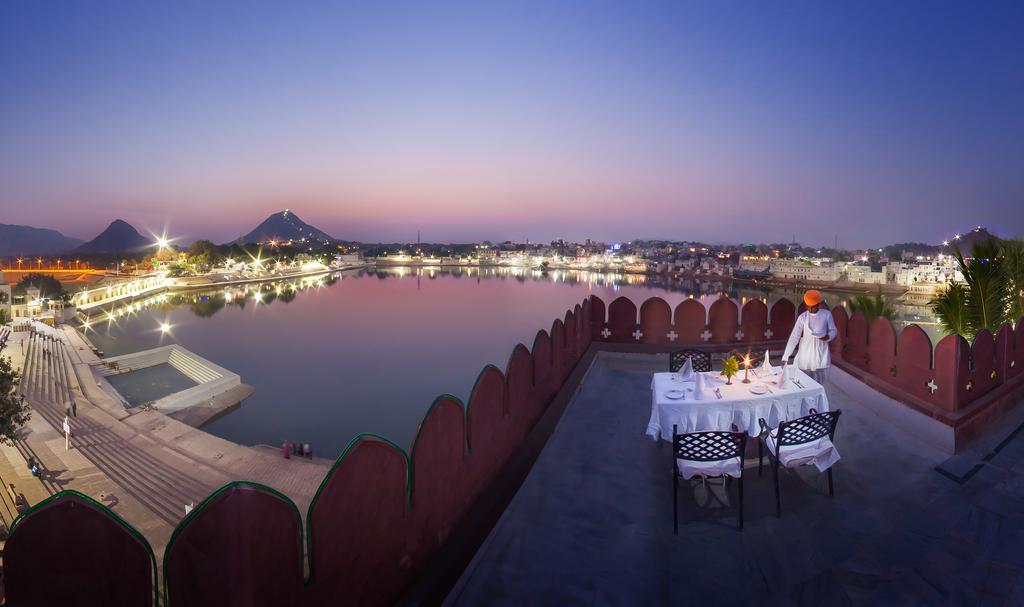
<point>157,485</point>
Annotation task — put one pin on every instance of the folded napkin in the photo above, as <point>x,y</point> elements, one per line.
<point>686,373</point>
<point>784,375</point>
<point>766,366</point>
<point>698,391</point>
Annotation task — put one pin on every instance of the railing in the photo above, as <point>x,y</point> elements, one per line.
<point>382,512</point>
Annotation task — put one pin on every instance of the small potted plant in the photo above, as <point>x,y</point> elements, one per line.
<point>730,367</point>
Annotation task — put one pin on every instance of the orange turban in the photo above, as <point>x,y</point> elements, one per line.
<point>812,297</point>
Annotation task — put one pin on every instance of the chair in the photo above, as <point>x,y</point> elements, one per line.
<point>707,455</point>
<point>807,439</point>
<point>701,360</point>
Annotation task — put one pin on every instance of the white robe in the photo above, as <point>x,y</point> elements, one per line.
<point>807,332</point>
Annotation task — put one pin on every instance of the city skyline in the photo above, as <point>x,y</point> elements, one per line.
<point>537,121</point>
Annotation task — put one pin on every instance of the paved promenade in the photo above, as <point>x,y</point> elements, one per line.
<point>592,524</point>
<point>144,465</point>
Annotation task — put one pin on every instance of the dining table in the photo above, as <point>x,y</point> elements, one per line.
<point>731,405</point>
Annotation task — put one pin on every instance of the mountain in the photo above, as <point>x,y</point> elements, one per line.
<point>26,240</point>
<point>119,237</point>
<point>967,239</point>
<point>285,226</point>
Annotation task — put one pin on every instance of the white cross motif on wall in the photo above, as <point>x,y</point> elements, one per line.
<point>672,335</point>
<point>605,333</point>
<point>768,334</point>
<point>706,335</point>
<point>739,335</point>
<point>932,385</point>
<point>637,334</point>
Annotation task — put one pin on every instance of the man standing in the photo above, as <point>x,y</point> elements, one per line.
<point>813,330</point>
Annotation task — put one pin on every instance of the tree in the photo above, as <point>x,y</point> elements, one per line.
<point>49,287</point>
<point>1013,269</point>
<point>982,301</point>
<point>204,253</point>
<point>13,412</point>
<point>872,306</point>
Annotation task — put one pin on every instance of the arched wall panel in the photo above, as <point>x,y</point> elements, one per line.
<point>359,526</point>
<point>655,321</point>
<point>70,550</point>
<point>240,546</point>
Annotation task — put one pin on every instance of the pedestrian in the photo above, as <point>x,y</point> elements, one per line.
<point>307,450</point>
<point>286,448</point>
<point>67,433</point>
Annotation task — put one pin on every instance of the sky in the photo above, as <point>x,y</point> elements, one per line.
<point>866,122</point>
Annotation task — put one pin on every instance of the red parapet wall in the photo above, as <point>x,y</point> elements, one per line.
<point>71,550</point>
<point>439,467</point>
<point>690,324</point>
<point>240,546</point>
<point>360,525</point>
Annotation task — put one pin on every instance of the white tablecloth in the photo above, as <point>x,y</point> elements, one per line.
<point>737,406</point>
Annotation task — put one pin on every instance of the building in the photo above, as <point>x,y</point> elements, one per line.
<point>863,274</point>
<point>755,263</point>
<point>807,270</point>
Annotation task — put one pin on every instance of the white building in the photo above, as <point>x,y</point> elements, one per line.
<point>807,270</point>
<point>862,274</point>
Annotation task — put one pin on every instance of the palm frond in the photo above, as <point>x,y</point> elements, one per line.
<point>950,307</point>
<point>1013,277</point>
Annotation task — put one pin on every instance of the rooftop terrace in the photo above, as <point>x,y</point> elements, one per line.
<point>592,523</point>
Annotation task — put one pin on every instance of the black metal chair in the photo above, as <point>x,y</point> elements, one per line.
<point>701,360</point>
<point>799,431</point>
<point>714,446</point>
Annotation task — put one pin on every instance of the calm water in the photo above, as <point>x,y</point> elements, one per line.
<point>369,351</point>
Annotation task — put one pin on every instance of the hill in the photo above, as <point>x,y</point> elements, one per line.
<point>119,237</point>
<point>26,240</point>
<point>286,226</point>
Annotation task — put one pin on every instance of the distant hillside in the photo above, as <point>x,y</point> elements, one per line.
<point>26,240</point>
<point>965,243</point>
<point>285,226</point>
<point>119,237</point>
<point>967,239</point>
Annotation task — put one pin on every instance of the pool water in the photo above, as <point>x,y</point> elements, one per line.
<point>150,384</point>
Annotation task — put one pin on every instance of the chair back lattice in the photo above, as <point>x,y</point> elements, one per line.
<point>701,360</point>
<point>808,428</point>
<point>710,446</point>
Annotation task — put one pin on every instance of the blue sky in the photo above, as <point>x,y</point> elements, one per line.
<point>876,122</point>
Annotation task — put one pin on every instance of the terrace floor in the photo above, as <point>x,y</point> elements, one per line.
<point>592,523</point>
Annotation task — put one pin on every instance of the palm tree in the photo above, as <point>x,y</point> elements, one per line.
<point>981,301</point>
<point>872,306</point>
<point>1013,269</point>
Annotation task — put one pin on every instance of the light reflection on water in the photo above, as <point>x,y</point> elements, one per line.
<point>369,351</point>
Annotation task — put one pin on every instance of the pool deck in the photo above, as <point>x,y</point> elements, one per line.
<point>592,523</point>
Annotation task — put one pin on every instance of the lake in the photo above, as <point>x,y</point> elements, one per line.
<point>368,351</point>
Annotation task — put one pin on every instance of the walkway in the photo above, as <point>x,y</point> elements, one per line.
<point>592,524</point>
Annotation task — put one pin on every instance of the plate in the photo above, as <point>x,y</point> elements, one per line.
<point>674,394</point>
<point>758,389</point>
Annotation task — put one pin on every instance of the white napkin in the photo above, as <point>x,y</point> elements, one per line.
<point>686,373</point>
<point>766,366</point>
<point>698,391</point>
<point>784,375</point>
